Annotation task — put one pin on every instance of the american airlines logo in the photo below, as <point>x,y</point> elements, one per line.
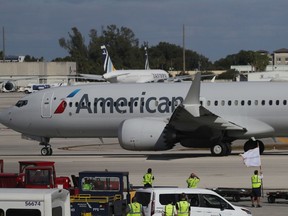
<point>123,105</point>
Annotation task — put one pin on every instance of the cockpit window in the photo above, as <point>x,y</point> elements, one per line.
<point>21,103</point>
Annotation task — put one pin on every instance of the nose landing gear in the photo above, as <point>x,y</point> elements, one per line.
<point>46,150</point>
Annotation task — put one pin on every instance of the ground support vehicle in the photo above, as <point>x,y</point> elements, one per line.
<point>203,202</point>
<point>234,193</point>
<point>273,195</point>
<point>34,202</point>
<point>100,193</point>
<point>33,174</point>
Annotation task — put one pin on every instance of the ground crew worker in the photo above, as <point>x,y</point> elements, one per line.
<point>169,209</point>
<point>148,178</point>
<point>183,206</point>
<point>193,181</point>
<point>256,181</point>
<point>135,208</point>
<point>87,185</point>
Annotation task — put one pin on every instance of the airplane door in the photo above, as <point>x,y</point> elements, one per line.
<point>46,106</point>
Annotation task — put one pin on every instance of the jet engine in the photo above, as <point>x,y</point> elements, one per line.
<point>144,135</point>
<point>8,86</point>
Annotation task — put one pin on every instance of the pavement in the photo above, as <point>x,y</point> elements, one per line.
<point>170,168</point>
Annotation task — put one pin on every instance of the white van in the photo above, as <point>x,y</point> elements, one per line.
<point>203,202</point>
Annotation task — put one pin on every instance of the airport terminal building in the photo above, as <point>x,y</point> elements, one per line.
<point>24,73</point>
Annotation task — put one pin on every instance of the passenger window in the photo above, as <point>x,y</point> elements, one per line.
<point>213,201</point>
<point>143,198</point>
<point>263,102</point>
<point>208,103</point>
<point>23,212</point>
<point>242,103</point>
<point>256,102</point>
<point>249,102</point>
<point>236,102</point>
<point>270,102</point>
<point>277,102</point>
<point>285,102</point>
<point>1,212</point>
<point>229,103</point>
<point>193,199</point>
<point>223,103</point>
<point>167,198</point>
<point>216,103</point>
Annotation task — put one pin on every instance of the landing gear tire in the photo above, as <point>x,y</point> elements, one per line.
<point>44,151</point>
<point>219,149</point>
<point>47,150</point>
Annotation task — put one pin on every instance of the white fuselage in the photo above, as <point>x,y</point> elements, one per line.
<point>136,76</point>
<point>98,110</point>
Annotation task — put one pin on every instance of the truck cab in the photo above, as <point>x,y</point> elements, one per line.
<point>34,174</point>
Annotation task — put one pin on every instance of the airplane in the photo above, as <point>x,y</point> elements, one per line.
<point>127,76</point>
<point>155,116</point>
<point>8,83</point>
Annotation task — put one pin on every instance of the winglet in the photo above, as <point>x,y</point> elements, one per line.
<point>108,65</point>
<point>192,100</point>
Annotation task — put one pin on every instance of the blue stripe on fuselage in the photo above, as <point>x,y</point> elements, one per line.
<point>72,94</point>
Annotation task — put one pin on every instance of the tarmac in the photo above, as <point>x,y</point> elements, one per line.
<point>170,168</point>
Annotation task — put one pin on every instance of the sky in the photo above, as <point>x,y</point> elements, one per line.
<point>213,28</point>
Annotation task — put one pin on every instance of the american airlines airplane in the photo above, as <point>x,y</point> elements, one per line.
<point>155,116</point>
<point>127,76</point>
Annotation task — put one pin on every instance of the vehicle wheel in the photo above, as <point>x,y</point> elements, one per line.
<point>219,149</point>
<point>236,198</point>
<point>271,199</point>
<point>44,151</point>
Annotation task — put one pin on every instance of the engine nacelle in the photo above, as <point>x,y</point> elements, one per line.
<point>8,86</point>
<point>143,135</point>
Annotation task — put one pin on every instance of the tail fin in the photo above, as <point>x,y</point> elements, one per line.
<point>147,67</point>
<point>108,65</point>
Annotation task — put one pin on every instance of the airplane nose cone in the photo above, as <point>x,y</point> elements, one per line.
<point>5,117</point>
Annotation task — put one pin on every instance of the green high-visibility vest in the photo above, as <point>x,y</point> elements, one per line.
<point>256,181</point>
<point>135,209</point>
<point>169,210</point>
<point>192,182</point>
<point>183,208</point>
<point>147,178</point>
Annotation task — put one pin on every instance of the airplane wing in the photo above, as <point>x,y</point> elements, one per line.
<point>190,115</point>
<point>93,77</point>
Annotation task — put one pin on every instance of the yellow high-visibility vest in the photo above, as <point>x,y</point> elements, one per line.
<point>169,210</point>
<point>135,209</point>
<point>256,181</point>
<point>192,182</point>
<point>183,208</point>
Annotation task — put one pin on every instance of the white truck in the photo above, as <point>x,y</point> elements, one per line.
<point>36,202</point>
<point>35,87</point>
